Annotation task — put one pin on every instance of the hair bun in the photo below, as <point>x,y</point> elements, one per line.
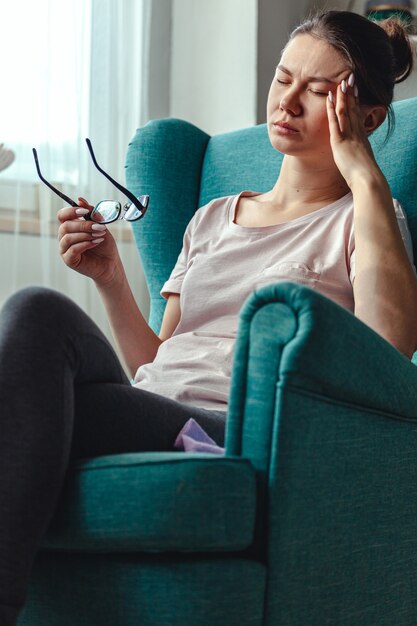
<point>398,33</point>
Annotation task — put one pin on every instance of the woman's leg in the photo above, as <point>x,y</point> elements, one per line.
<point>63,394</point>
<point>111,418</point>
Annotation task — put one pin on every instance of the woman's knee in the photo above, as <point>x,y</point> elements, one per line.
<point>39,305</point>
<point>30,297</point>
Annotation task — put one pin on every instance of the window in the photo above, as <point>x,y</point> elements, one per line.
<point>46,72</point>
<point>71,70</point>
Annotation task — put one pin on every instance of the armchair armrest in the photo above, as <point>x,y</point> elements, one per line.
<point>326,410</point>
<point>290,335</point>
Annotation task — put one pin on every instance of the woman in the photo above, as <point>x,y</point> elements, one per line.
<point>332,88</point>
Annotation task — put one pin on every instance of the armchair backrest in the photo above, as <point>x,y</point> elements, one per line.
<point>182,168</point>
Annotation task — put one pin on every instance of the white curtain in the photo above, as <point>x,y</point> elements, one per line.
<point>70,70</point>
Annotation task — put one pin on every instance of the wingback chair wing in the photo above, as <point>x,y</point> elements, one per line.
<point>310,517</point>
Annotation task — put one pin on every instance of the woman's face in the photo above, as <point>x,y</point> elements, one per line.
<point>308,70</point>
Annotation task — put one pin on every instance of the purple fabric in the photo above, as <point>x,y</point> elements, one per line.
<point>193,438</point>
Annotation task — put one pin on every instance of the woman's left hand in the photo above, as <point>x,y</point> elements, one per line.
<point>352,151</point>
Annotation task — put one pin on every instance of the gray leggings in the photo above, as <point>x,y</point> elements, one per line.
<point>64,395</point>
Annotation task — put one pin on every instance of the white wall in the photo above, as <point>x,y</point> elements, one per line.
<point>275,23</point>
<point>213,63</point>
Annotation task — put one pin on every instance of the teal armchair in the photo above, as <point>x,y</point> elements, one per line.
<point>310,516</point>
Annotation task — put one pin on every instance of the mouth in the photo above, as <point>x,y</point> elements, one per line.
<point>285,127</point>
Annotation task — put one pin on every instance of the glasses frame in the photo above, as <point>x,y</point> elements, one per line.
<point>140,203</point>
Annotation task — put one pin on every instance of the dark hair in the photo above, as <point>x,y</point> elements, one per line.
<point>378,52</point>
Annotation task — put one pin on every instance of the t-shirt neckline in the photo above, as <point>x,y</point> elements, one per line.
<point>276,227</point>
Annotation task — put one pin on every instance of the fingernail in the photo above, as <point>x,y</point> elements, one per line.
<point>99,227</point>
<point>355,91</point>
<point>351,80</point>
<point>82,211</point>
<point>344,86</point>
<point>98,234</point>
<point>98,240</point>
<point>330,96</point>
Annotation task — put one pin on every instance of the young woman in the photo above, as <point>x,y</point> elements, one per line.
<point>329,222</point>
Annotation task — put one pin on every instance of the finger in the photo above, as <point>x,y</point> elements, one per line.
<point>81,229</point>
<point>84,203</point>
<point>342,108</point>
<point>73,256</point>
<point>71,213</point>
<point>81,226</point>
<point>353,104</point>
<point>70,240</point>
<point>331,115</point>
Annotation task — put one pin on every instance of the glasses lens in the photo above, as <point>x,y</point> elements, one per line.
<point>132,213</point>
<point>106,211</point>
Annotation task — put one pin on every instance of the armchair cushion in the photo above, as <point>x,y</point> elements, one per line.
<point>156,502</point>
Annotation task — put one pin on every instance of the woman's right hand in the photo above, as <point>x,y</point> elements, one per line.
<point>87,247</point>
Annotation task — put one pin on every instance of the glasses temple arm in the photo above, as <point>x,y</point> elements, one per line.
<point>54,189</point>
<point>125,191</point>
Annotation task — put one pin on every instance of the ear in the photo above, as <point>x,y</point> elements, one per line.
<point>373,117</point>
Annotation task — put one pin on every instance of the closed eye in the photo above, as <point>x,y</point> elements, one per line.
<point>317,93</point>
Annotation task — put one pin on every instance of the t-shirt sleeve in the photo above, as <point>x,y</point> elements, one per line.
<point>405,234</point>
<point>174,282</point>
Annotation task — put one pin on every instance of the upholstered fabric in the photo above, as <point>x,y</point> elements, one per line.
<point>135,590</point>
<point>337,495</point>
<point>165,502</point>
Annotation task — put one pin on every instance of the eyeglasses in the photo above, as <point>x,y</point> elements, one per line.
<point>106,211</point>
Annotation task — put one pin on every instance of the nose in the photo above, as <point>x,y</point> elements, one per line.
<point>290,102</point>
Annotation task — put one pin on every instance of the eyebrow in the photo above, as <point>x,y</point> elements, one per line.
<point>311,79</point>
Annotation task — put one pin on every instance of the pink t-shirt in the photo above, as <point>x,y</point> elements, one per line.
<point>220,265</point>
